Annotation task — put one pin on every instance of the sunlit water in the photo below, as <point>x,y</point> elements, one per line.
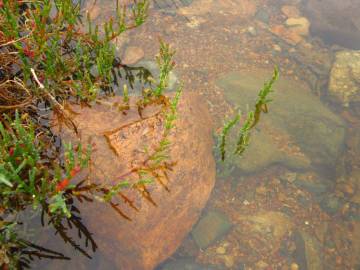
<point>293,200</point>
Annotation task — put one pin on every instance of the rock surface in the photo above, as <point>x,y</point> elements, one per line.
<point>344,84</point>
<point>294,29</point>
<point>297,124</point>
<point>313,183</point>
<point>210,228</point>
<point>271,154</point>
<point>132,55</point>
<point>268,227</point>
<point>164,217</point>
<point>336,22</point>
<point>308,251</point>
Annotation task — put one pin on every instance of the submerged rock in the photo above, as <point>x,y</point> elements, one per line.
<point>336,22</point>
<point>287,34</point>
<point>163,218</point>
<point>297,124</point>
<point>263,152</point>
<point>308,251</point>
<point>268,228</point>
<point>313,183</point>
<point>210,228</point>
<point>344,84</point>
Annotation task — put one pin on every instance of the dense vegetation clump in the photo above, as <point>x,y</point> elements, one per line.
<point>49,57</point>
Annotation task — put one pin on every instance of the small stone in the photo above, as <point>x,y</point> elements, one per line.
<point>277,48</point>
<point>132,55</point>
<point>246,202</point>
<point>252,31</point>
<point>299,25</point>
<point>221,250</point>
<point>289,36</point>
<point>294,266</point>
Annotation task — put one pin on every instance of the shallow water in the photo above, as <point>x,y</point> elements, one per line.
<point>293,200</point>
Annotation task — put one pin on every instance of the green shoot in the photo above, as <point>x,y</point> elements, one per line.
<point>165,64</point>
<point>224,133</point>
<point>252,119</point>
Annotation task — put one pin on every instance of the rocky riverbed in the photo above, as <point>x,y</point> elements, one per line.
<point>292,200</point>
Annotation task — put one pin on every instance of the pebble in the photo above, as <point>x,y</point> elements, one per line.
<point>252,31</point>
<point>221,250</point>
<point>277,48</point>
<point>299,25</point>
<point>246,202</point>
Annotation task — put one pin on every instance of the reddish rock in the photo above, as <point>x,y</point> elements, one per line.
<point>288,35</point>
<point>164,217</point>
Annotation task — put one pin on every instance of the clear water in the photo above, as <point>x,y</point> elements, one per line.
<point>294,201</point>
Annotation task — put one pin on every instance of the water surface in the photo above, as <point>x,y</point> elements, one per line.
<point>293,200</point>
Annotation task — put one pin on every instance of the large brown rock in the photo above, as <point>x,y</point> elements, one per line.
<point>163,218</point>
<point>336,22</point>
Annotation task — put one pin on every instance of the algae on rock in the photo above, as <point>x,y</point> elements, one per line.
<point>344,84</point>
